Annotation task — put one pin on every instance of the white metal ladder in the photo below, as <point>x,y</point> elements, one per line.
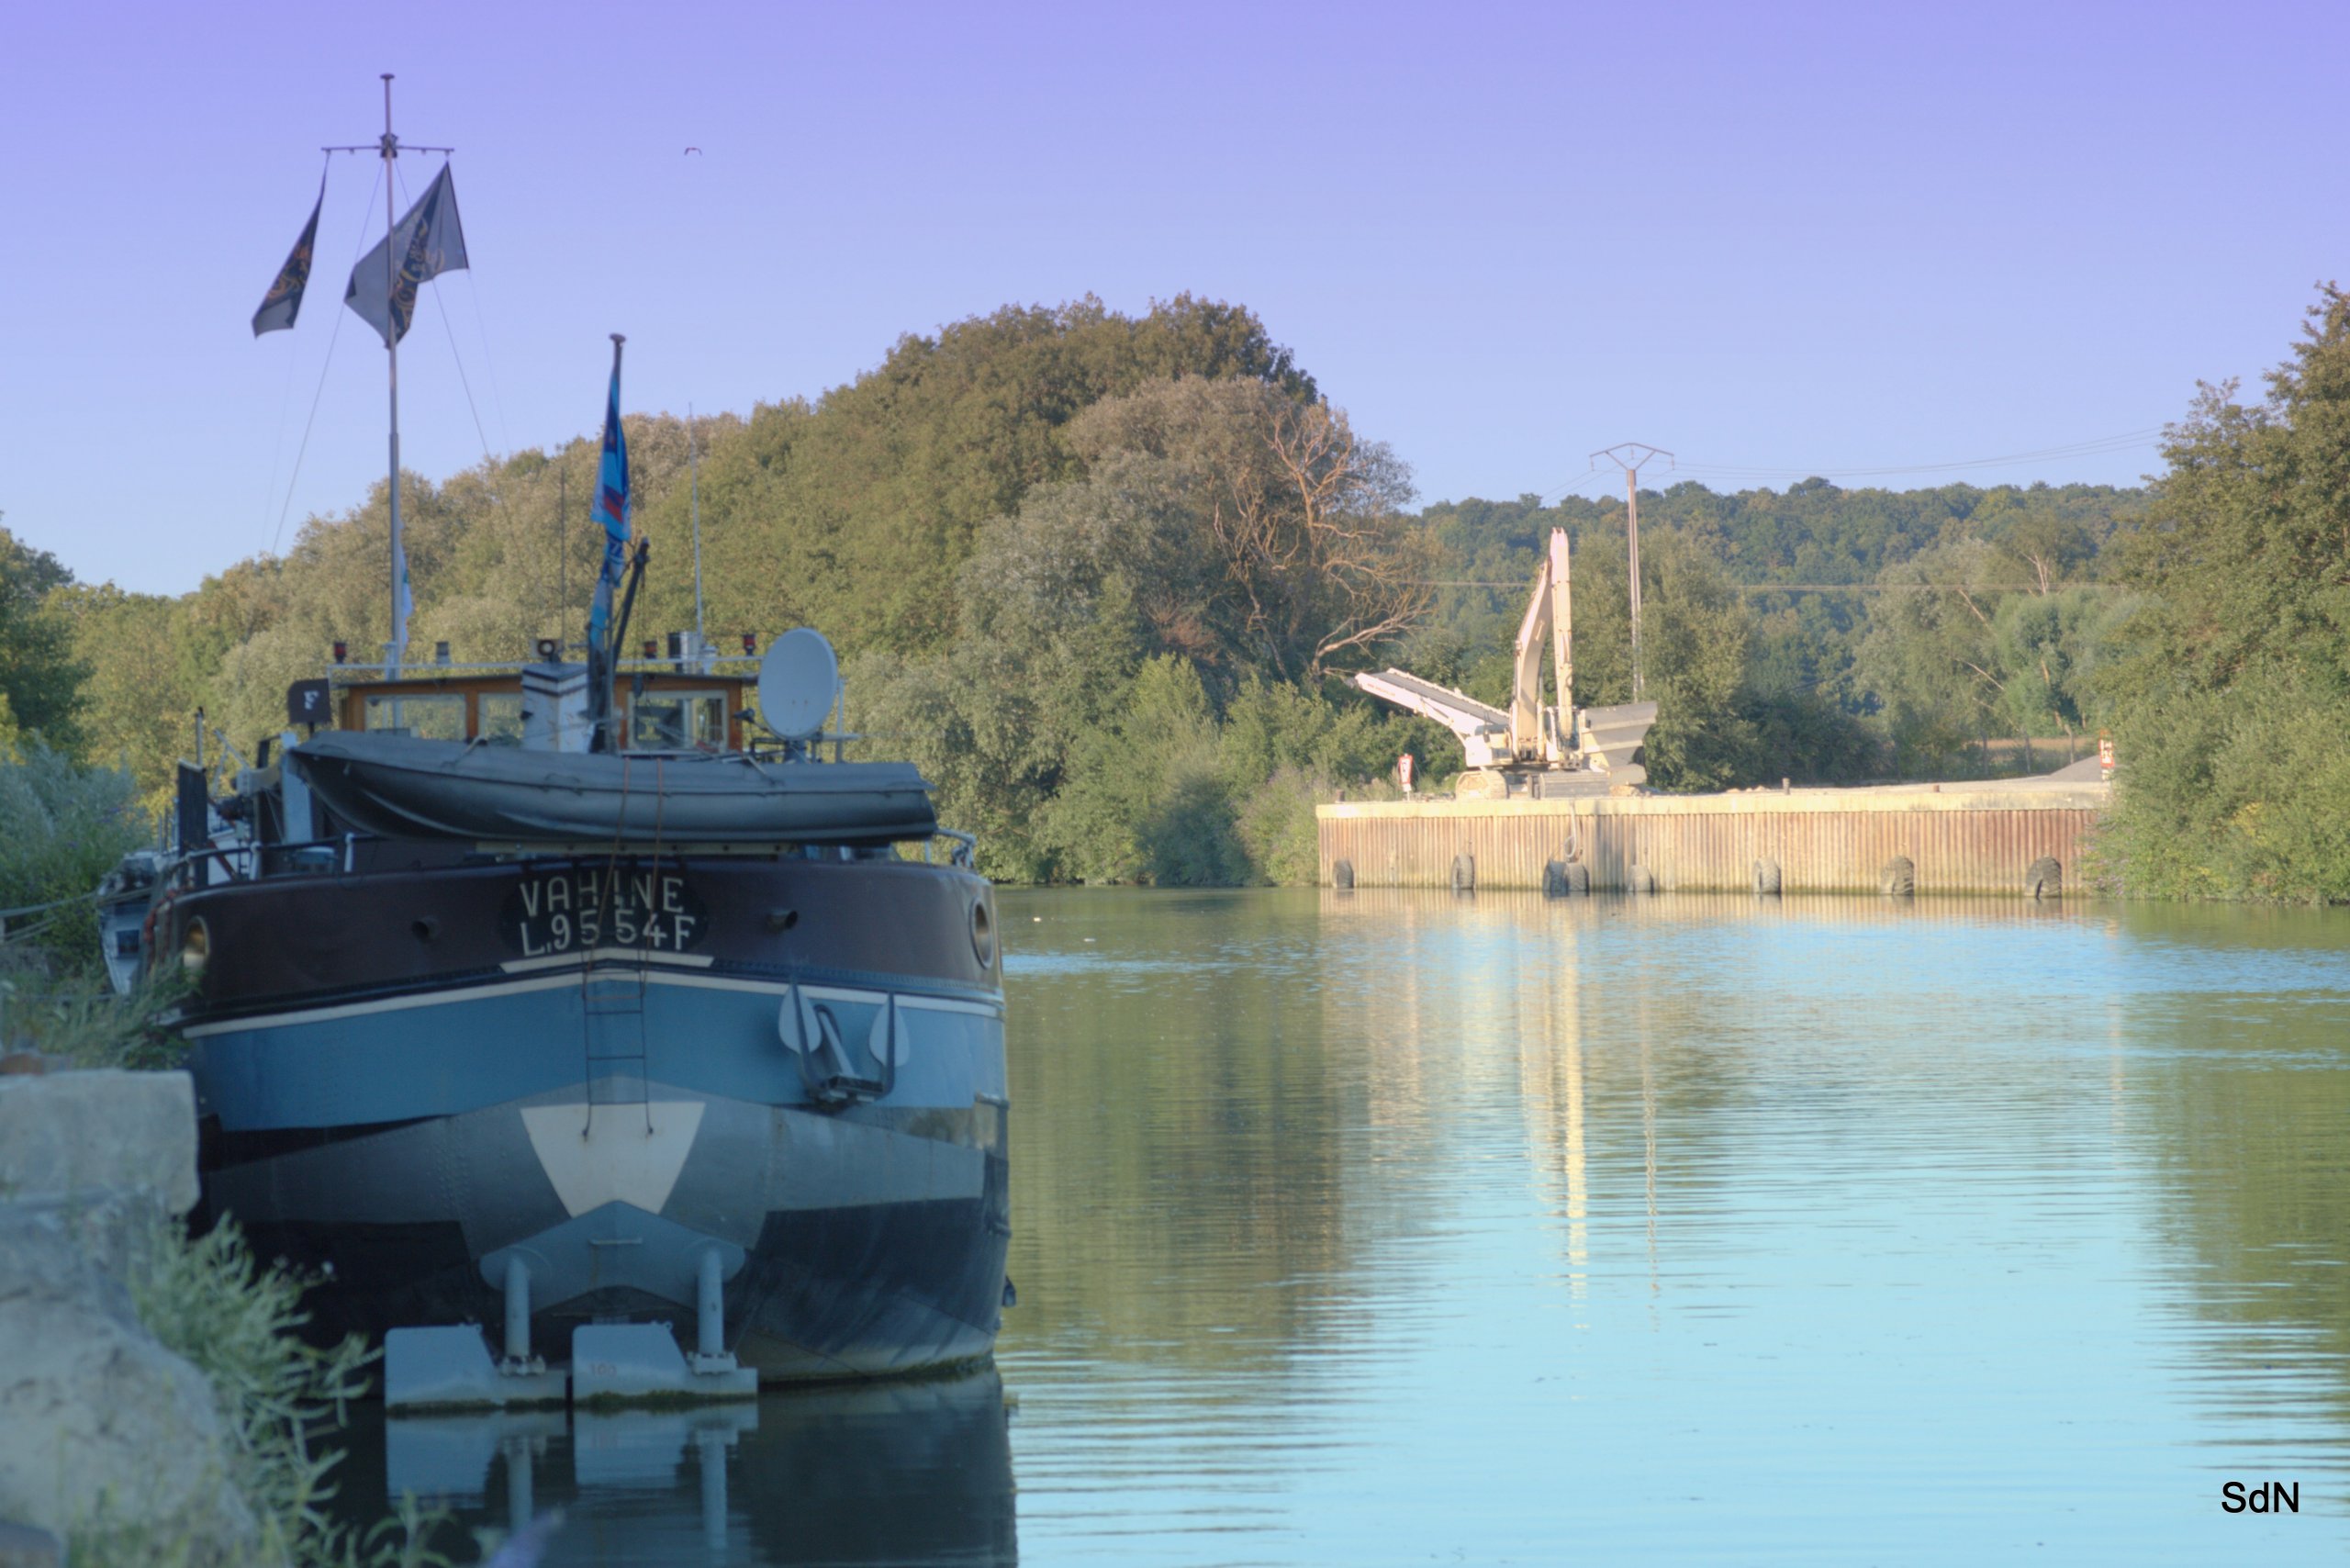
<point>611,1004</point>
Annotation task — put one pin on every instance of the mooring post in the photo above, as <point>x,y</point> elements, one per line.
<point>710,1301</point>
<point>711,1444</point>
<point>517,1309</point>
<point>520,1506</point>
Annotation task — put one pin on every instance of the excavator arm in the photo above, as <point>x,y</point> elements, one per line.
<point>1532,736</point>
<point>1536,733</point>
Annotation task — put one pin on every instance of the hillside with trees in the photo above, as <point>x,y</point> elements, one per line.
<point>1103,576</point>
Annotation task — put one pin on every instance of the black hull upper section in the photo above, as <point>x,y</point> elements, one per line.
<point>307,940</point>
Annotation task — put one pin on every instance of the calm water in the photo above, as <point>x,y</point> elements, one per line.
<point>1393,1227</point>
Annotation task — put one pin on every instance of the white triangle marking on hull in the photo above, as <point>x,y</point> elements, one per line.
<point>618,1161</point>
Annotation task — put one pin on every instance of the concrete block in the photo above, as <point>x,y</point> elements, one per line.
<point>625,1363</point>
<point>449,1367</point>
<point>21,1546</point>
<point>69,1135</point>
<point>101,1427</point>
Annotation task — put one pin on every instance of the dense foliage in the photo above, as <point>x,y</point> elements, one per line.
<point>1102,576</point>
<point>1823,634</point>
<point>2230,678</point>
<point>39,675</point>
<point>63,826</point>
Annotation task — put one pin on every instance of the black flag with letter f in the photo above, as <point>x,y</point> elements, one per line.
<point>283,300</point>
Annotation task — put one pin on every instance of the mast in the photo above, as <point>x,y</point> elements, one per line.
<point>388,147</point>
<point>398,647</point>
<point>693,470</point>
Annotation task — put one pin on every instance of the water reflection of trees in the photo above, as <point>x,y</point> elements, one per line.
<point>1224,1102</point>
<point>1177,1190</point>
<point>2243,1094</point>
<point>1216,1095</point>
<point>1663,1057</point>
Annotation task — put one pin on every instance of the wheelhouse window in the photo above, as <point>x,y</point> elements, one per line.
<point>438,717</point>
<point>677,721</point>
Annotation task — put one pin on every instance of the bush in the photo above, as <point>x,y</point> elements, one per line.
<point>207,1300</point>
<point>1277,828</point>
<point>1167,792</point>
<point>1140,789</point>
<point>2240,793</point>
<point>63,826</point>
<point>77,1016</point>
<point>1190,838</point>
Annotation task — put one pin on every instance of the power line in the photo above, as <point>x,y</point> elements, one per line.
<point>488,464</point>
<point>1913,588</point>
<point>1799,587</point>
<point>2096,446</point>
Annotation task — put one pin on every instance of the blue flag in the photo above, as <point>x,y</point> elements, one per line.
<point>611,507</point>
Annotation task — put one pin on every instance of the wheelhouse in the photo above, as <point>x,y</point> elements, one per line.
<point>657,709</point>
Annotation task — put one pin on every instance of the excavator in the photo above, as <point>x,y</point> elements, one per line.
<point>1541,750</point>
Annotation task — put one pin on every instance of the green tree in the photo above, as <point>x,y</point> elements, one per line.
<point>1220,529</point>
<point>2232,687</point>
<point>1929,655</point>
<point>1143,799</point>
<point>867,504</point>
<point>63,826</point>
<point>38,676</point>
<point>1317,565</point>
<point>145,675</point>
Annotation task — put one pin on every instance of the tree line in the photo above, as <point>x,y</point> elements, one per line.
<point>1103,576</point>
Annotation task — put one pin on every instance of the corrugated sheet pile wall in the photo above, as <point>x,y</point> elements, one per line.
<point>1975,839</point>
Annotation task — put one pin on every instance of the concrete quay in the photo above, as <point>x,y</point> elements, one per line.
<point>1960,838</point>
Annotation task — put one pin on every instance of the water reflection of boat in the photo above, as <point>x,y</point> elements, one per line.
<point>880,1472</point>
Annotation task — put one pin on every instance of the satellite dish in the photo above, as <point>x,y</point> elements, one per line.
<point>798,679</point>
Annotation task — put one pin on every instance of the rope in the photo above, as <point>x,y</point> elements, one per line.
<point>488,361</point>
<point>286,395</point>
<point>488,463</point>
<point>333,338</point>
<point>91,897</point>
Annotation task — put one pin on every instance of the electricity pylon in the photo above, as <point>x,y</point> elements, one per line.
<point>1631,456</point>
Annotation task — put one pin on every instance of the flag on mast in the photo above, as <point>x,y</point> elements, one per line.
<point>404,605</point>
<point>611,507</point>
<point>283,300</point>
<point>428,242</point>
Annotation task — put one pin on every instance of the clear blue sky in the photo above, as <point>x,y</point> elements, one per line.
<point>1783,238</point>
